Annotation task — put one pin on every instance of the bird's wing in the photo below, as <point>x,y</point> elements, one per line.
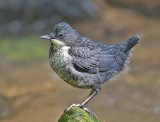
<point>92,60</point>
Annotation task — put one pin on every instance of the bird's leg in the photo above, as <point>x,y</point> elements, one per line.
<point>90,92</point>
<point>93,93</point>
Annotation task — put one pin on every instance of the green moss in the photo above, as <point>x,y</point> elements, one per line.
<point>76,114</point>
<point>20,48</point>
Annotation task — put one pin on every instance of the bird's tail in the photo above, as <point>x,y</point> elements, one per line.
<point>131,43</point>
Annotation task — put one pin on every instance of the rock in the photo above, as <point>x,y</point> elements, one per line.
<point>77,114</point>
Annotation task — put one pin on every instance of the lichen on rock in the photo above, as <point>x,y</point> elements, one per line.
<point>76,114</point>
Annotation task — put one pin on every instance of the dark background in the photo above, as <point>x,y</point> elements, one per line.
<point>31,92</point>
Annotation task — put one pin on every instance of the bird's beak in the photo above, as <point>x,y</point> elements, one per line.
<point>53,40</point>
<point>45,37</point>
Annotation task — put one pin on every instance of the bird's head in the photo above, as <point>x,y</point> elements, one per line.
<point>62,34</point>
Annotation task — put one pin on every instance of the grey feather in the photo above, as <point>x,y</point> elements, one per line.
<point>87,63</point>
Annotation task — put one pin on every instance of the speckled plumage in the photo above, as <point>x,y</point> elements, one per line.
<point>61,63</point>
<point>83,62</point>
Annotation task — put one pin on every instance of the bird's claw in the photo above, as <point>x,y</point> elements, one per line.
<point>73,105</point>
<point>80,106</point>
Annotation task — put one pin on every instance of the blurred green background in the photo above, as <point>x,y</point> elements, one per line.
<point>31,92</point>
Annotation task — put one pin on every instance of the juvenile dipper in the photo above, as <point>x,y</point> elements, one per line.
<point>83,62</point>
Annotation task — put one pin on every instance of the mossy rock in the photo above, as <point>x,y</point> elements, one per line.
<point>76,114</point>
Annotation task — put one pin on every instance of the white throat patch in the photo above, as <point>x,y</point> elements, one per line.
<point>57,42</point>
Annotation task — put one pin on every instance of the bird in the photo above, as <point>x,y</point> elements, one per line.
<point>86,63</point>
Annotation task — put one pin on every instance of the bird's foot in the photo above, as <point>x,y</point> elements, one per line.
<point>80,106</point>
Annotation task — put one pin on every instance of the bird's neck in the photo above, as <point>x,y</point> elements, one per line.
<point>54,48</point>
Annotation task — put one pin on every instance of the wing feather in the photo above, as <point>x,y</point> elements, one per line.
<point>92,60</point>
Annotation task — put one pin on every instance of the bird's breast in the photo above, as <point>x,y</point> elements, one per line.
<point>59,57</point>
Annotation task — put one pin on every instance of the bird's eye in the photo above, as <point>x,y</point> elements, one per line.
<point>60,35</point>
